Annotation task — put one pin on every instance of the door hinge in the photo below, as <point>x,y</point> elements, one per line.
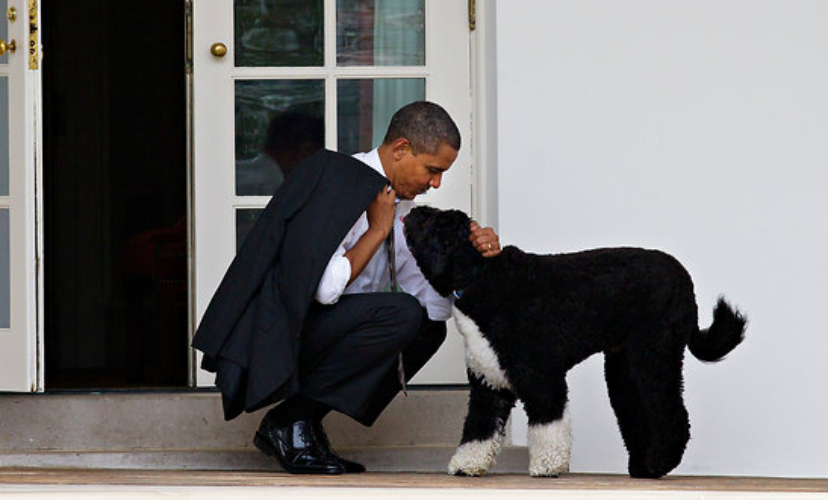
<point>471,14</point>
<point>188,43</point>
<point>34,43</point>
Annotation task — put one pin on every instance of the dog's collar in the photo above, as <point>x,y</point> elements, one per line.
<point>457,294</point>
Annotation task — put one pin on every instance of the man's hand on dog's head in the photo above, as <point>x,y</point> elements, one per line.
<point>485,240</point>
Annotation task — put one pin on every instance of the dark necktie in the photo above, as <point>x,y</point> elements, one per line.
<point>393,283</point>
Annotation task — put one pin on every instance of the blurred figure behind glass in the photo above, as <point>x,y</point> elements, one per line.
<point>290,138</point>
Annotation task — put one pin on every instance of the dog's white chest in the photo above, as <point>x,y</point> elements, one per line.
<point>481,359</point>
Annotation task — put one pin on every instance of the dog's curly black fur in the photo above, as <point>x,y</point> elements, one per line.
<point>539,315</point>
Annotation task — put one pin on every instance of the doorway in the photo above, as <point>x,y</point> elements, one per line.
<point>115,194</point>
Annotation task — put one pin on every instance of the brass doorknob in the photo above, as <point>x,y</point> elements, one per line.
<point>218,49</point>
<point>11,46</point>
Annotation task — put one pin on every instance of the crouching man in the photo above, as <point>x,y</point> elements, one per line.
<point>317,321</point>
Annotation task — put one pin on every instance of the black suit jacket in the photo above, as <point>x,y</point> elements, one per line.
<point>250,331</point>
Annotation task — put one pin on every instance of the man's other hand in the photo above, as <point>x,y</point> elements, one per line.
<point>485,240</point>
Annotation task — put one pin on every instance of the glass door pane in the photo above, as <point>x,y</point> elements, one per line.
<point>4,135</point>
<point>278,32</point>
<point>278,124</point>
<point>5,271</point>
<point>380,32</point>
<point>5,263</point>
<point>245,220</point>
<point>365,107</point>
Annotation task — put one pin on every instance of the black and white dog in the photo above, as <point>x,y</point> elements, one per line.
<point>527,319</point>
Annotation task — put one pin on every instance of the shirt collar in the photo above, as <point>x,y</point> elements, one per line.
<point>372,158</point>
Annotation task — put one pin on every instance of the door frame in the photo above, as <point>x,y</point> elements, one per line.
<point>21,358</point>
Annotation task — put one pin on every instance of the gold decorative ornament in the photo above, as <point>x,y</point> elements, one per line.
<point>34,42</point>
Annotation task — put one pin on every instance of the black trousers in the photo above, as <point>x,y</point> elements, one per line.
<point>349,351</point>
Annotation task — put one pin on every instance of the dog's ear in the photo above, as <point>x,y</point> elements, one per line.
<point>440,242</point>
<point>459,224</point>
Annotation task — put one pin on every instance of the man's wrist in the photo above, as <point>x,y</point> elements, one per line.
<point>378,232</point>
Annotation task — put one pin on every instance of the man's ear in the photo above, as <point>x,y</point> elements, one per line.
<point>400,147</point>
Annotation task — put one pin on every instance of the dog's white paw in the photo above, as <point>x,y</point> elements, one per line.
<point>547,466</point>
<point>549,446</point>
<point>474,458</point>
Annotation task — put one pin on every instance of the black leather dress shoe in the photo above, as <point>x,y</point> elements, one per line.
<point>323,440</point>
<point>296,447</point>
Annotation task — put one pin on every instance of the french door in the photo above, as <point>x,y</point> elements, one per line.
<point>274,79</point>
<point>20,349</point>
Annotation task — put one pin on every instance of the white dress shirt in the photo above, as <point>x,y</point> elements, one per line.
<point>375,276</point>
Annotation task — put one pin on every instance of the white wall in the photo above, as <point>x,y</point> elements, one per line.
<point>699,128</point>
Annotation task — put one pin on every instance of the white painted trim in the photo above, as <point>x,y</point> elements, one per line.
<point>485,140</point>
<point>194,357</point>
<point>269,73</point>
<point>35,208</point>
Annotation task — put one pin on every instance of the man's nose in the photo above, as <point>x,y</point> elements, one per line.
<point>435,181</point>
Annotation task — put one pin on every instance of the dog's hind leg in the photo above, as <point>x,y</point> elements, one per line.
<point>657,370</point>
<point>628,407</point>
<point>549,427</point>
<point>483,433</point>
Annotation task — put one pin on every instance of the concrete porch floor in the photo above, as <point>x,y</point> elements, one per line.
<point>127,446</point>
<point>65,484</point>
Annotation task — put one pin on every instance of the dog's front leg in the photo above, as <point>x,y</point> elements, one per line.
<point>483,429</point>
<point>549,427</point>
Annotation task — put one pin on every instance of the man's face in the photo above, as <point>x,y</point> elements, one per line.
<point>415,174</point>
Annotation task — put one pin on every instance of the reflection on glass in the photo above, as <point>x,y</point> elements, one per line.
<point>278,32</point>
<point>5,270</point>
<point>380,32</point>
<point>4,136</point>
<point>364,108</point>
<point>278,124</point>
<point>245,220</point>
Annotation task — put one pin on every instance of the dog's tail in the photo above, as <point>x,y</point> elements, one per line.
<point>726,332</point>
